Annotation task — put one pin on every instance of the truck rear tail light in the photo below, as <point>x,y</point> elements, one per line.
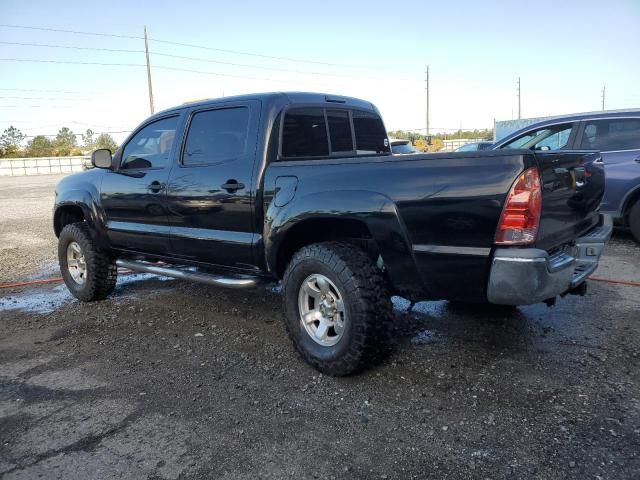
<point>521,212</point>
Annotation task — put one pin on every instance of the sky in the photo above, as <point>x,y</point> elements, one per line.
<point>563,52</point>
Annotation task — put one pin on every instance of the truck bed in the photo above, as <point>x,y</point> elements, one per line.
<point>447,205</point>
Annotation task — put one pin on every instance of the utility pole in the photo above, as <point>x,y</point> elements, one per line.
<point>603,92</point>
<point>519,111</point>
<point>427,89</point>
<point>146,51</point>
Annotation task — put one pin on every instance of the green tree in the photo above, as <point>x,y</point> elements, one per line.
<point>105,140</point>
<point>40,146</point>
<point>10,142</point>
<point>65,141</point>
<point>88,140</point>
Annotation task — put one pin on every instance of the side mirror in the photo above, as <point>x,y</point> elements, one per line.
<point>101,158</point>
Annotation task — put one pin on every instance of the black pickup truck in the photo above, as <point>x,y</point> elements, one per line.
<point>303,188</point>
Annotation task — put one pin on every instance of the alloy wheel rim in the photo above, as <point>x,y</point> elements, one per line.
<point>76,264</point>
<point>322,310</point>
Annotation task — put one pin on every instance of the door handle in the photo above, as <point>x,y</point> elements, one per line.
<point>232,186</point>
<point>637,159</point>
<point>155,186</point>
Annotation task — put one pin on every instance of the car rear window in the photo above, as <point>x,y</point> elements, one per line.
<point>612,134</point>
<point>319,132</point>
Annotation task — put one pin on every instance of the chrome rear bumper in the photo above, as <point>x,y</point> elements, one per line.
<point>522,276</point>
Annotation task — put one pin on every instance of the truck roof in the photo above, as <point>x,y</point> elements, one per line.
<point>269,98</point>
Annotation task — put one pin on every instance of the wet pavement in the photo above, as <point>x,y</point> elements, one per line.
<point>171,380</point>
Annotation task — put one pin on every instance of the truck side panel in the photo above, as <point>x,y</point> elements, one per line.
<point>444,209</point>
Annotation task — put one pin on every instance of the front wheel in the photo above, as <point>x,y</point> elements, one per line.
<point>336,307</point>
<point>88,273</point>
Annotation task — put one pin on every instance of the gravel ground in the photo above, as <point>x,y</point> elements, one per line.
<point>172,380</point>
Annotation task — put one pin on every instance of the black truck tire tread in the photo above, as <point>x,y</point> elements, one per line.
<point>102,272</point>
<point>368,298</point>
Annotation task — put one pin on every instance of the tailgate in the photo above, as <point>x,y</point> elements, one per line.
<point>572,188</point>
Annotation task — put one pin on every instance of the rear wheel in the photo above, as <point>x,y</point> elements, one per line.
<point>336,307</point>
<point>89,273</point>
<point>634,220</point>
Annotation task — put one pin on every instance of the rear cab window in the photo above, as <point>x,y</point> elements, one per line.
<point>319,132</point>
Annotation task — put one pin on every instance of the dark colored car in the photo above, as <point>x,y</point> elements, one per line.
<point>402,147</point>
<point>303,188</point>
<point>474,147</point>
<point>616,134</point>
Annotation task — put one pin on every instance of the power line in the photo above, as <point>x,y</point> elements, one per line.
<point>276,69</point>
<point>177,69</point>
<point>269,57</point>
<point>43,98</point>
<point>200,59</point>
<point>65,62</point>
<point>36,90</point>
<point>191,45</point>
<point>59,30</point>
<point>73,47</point>
<point>35,106</point>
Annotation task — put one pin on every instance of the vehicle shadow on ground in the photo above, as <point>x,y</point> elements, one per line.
<point>487,327</point>
<point>456,325</point>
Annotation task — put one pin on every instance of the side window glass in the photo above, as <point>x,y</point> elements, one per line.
<point>216,135</point>
<point>555,137</point>
<point>371,137</point>
<point>520,141</point>
<point>340,131</point>
<point>151,146</point>
<point>304,133</point>
<point>612,134</point>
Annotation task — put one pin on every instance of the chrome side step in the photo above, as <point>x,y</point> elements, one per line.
<point>244,281</point>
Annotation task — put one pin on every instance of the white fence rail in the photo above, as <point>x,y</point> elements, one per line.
<point>452,144</point>
<point>15,167</point>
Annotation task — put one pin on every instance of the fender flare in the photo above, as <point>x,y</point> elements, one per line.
<point>376,211</point>
<point>87,202</point>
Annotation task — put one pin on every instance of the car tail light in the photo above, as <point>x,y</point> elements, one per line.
<point>521,212</point>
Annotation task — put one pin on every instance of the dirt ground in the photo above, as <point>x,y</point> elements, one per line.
<point>172,380</point>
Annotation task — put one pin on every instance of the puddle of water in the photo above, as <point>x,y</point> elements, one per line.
<point>46,300</point>
<point>37,302</point>
<point>137,277</point>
